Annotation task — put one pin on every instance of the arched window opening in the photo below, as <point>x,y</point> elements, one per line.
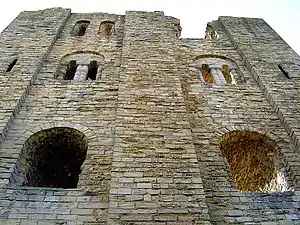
<point>107,28</point>
<point>208,78</point>
<point>80,66</point>
<point>218,70</point>
<point>226,74</point>
<point>71,70</point>
<point>52,158</point>
<point>285,73</point>
<point>93,69</point>
<point>253,161</point>
<point>80,28</point>
<point>11,65</point>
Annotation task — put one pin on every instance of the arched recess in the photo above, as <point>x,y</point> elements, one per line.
<point>51,158</point>
<point>253,159</point>
<point>107,28</point>
<point>78,66</point>
<point>80,27</point>
<point>217,70</point>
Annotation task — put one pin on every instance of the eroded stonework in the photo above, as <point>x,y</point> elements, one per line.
<point>138,115</point>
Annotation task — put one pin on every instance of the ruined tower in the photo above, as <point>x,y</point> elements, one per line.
<point>115,119</point>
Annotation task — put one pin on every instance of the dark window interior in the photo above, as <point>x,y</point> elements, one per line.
<point>53,158</point>
<point>286,74</point>
<point>92,73</point>
<point>71,70</point>
<point>80,28</point>
<point>11,65</point>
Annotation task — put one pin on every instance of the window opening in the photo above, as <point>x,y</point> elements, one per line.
<point>107,28</point>
<point>11,65</point>
<point>52,158</point>
<point>286,74</point>
<point>93,69</point>
<point>80,28</point>
<point>253,161</point>
<point>71,70</point>
<point>208,78</point>
<point>226,74</point>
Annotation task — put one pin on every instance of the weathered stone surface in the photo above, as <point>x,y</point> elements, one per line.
<point>151,121</point>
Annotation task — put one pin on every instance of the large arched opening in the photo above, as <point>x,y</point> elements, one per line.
<point>52,158</point>
<point>253,160</point>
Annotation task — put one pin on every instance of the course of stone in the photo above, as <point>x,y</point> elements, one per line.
<point>115,120</point>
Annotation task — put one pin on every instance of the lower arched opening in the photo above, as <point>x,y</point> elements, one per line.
<point>52,158</point>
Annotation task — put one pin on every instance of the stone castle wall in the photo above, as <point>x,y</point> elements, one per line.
<point>152,124</point>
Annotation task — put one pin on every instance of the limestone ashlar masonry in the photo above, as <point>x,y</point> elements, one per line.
<point>139,127</point>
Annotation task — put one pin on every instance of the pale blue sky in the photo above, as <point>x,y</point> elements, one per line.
<point>282,15</point>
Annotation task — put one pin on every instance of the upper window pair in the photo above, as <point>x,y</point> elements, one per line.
<point>217,70</point>
<point>106,28</point>
<point>81,66</point>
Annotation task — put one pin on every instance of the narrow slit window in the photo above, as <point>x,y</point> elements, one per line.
<point>107,28</point>
<point>11,65</point>
<point>71,70</point>
<point>286,74</point>
<point>80,28</point>
<point>93,69</point>
<point>208,78</point>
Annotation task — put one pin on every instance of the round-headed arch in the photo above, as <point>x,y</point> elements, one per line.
<point>214,56</point>
<point>90,53</point>
<point>70,62</point>
<point>217,69</point>
<point>52,158</point>
<point>252,158</point>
